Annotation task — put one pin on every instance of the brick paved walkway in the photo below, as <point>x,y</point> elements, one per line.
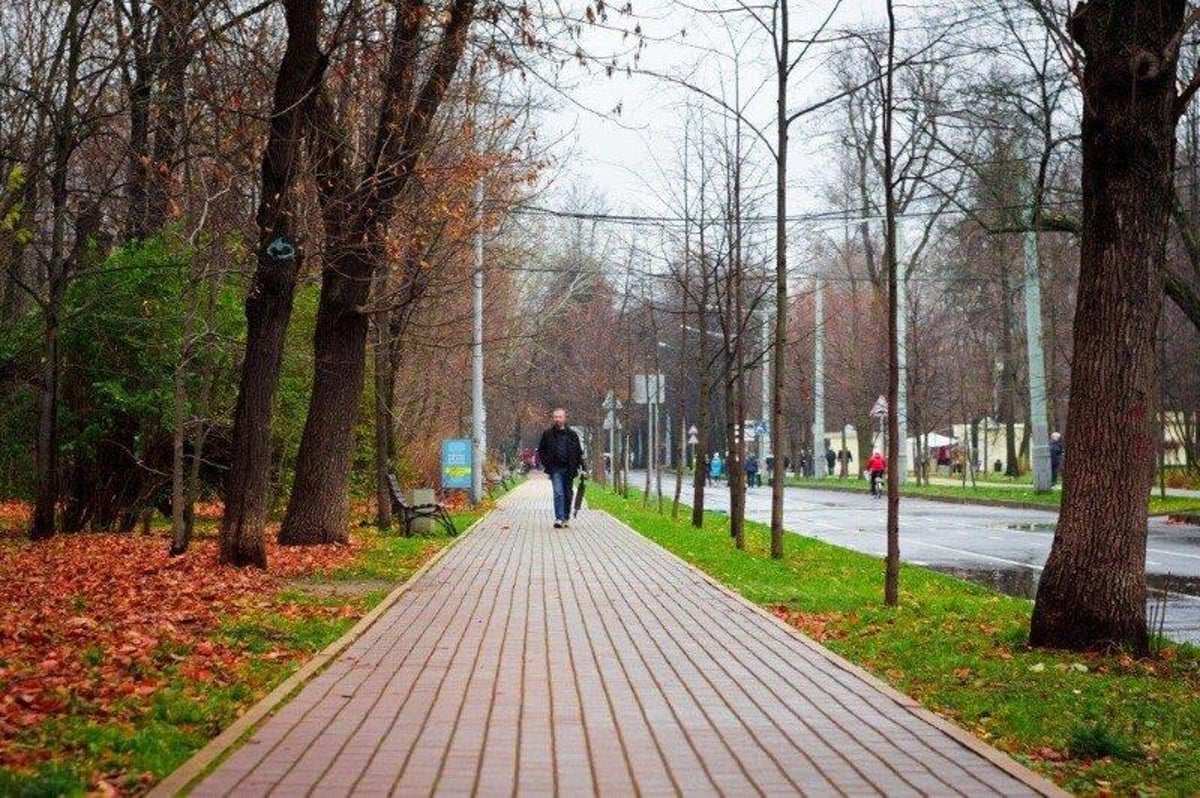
<point>590,661</point>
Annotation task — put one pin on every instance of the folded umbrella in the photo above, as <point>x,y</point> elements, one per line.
<point>579,492</point>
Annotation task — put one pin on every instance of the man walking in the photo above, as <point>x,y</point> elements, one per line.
<point>561,455</point>
<point>1056,457</point>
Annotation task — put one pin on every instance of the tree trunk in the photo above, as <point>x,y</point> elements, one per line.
<point>891,584</point>
<point>1092,594</point>
<point>699,473</point>
<point>383,424</point>
<point>318,510</point>
<point>179,537</point>
<point>782,69</point>
<point>47,439</point>
<point>269,303</point>
<point>356,214</point>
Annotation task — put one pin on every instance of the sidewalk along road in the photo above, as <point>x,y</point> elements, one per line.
<point>1001,547</point>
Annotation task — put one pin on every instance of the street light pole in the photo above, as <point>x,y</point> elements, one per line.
<point>478,411</point>
<point>818,448</point>
<point>901,408</point>
<point>1039,438</point>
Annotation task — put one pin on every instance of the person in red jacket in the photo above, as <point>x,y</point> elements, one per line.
<point>876,467</point>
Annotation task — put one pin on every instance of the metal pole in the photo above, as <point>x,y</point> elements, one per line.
<point>653,450</point>
<point>818,449</point>
<point>1039,437</point>
<point>612,438</point>
<point>901,408</point>
<point>478,411</point>
<point>764,439</point>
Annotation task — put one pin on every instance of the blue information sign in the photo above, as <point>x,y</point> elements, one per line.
<point>457,457</point>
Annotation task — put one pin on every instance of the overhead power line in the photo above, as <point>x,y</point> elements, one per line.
<point>528,209</point>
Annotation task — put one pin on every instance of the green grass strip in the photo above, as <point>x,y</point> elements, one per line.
<point>1095,724</point>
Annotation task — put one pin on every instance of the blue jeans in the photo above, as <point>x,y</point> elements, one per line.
<point>563,484</point>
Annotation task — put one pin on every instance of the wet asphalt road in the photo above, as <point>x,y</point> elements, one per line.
<point>997,546</point>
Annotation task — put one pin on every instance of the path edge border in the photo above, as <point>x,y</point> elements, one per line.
<point>1000,759</point>
<point>184,777</point>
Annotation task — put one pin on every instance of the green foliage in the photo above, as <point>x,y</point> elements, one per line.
<point>11,206</point>
<point>123,339</point>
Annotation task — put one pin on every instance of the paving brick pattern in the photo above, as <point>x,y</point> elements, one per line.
<point>589,661</point>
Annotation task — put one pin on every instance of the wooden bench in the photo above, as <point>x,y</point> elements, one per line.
<point>435,511</point>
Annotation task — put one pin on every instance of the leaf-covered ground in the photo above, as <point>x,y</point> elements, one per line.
<point>117,661</point>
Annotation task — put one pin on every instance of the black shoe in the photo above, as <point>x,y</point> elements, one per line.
<point>566,524</point>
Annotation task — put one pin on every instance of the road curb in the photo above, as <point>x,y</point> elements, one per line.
<point>1035,781</point>
<point>184,777</point>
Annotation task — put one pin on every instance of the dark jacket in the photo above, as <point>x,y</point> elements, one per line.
<point>560,450</point>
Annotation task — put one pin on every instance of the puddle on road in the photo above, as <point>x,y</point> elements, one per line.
<point>1041,526</point>
<point>1022,582</point>
<point>1019,582</point>
<point>1175,584</point>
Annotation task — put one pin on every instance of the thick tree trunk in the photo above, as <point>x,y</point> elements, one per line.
<point>318,511</point>
<point>269,303</point>
<point>1092,594</point>
<point>356,214</point>
<point>268,310</point>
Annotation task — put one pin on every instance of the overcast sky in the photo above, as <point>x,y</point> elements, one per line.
<point>621,156</point>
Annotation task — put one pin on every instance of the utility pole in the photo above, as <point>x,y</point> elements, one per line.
<point>818,449</point>
<point>478,411</point>
<point>764,439</point>
<point>901,408</point>
<point>1039,437</point>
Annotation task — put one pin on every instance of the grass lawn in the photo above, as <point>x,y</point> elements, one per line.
<point>982,493</point>
<point>109,695</point>
<point>1094,724</point>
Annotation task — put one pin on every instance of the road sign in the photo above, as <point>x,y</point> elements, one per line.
<point>457,458</point>
<point>880,408</point>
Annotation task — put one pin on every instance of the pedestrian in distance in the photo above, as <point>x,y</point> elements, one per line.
<point>715,466</point>
<point>752,472</point>
<point>1056,457</point>
<point>830,460</point>
<point>561,455</point>
<point>876,467</point>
